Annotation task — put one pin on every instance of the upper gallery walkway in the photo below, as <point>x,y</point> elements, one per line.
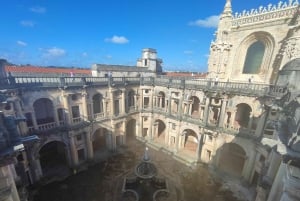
<point>243,88</point>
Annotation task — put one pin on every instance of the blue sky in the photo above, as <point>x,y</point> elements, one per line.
<point>80,33</point>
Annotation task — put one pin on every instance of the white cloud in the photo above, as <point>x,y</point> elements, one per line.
<point>27,23</point>
<point>117,40</point>
<point>211,21</point>
<point>38,9</point>
<point>54,52</point>
<point>108,56</point>
<point>188,52</point>
<point>21,43</point>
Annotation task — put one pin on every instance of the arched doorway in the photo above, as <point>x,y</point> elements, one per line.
<point>232,159</point>
<point>99,140</point>
<point>195,106</point>
<point>242,116</point>
<point>53,159</point>
<point>130,131</point>
<point>44,112</point>
<point>159,130</point>
<point>190,141</point>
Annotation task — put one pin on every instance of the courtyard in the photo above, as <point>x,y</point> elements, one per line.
<point>103,181</point>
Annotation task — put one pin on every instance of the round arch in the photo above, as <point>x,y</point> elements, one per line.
<point>195,106</point>
<point>53,156</point>
<point>159,130</point>
<point>267,40</point>
<point>232,159</point>
<point>99,139</point>
<point>130,130</point>
<point>242,116</point>
<point>97,104</point>
<point>191,140</point>
<point>44,111</point>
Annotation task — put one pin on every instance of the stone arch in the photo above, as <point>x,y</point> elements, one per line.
<point>130,130</point>
<point>195,106</point>
<point>263,38</point>
<point>232,159</point>
<point>44,111</point>
<point>99,139</point>
<point>242,116</point>
<point>254,57</point>
<point>191,140</point>
<point>159,130</point>
<point>53,156</point>
<point>97,100</point>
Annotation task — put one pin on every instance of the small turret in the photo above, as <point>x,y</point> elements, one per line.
<point>149,60</point>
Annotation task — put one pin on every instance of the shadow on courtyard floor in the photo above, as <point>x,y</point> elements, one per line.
<point>101,182</point>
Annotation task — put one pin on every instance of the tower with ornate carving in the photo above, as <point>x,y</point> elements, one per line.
<point>255,44</point>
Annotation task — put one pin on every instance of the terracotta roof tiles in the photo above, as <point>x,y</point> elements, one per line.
<point>38,69</point>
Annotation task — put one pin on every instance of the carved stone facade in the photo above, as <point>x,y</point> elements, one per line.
<point>249,129</point>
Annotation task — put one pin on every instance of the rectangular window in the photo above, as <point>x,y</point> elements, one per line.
<point>60,114</point>
<point>146,102</point>
<point>117,107</point>
<point>75,111</point>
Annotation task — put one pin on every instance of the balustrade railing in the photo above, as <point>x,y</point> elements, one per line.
<point>197,84</point>
<point>47,126</point>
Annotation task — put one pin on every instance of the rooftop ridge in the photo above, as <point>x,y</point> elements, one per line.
<point>266,13</point>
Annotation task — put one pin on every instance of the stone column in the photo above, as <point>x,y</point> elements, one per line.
<point>56,116</point>
<point>66,108</point>
<point>151,100</point>
<point>199,147</point>
<point>135,101</point>
<point>123,99</point>
<point>34,122</point>
<point>222,113</point>
<point>190,108</point>
<point>84,106</point>
<point>169,104</point>
<point>112,107</point>
<point>250,121</point>
<point>105,102</point>
<point>22,125</point>
<point>6,174</point>
<point>155,130</point>
<point>140,126</point>
<point>113,140</point>
<point>73,151</point>
<point>89,145</point>
<point>167,136</point>
<point>206,111</point>
<point>232,120</point>
<point>277,186</point>
<point>150,127</point>
<point>35,168</point>
<point>124,132</point>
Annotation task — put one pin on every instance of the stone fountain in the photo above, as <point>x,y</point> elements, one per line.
<point>144,183</point>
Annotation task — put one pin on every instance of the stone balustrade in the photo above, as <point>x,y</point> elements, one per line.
<point>270,13</point>
<point>194,84</point>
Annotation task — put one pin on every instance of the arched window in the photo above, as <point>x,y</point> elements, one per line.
<point>255,54</point>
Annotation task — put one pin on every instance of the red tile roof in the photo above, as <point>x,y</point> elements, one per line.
<point>38,69</point>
